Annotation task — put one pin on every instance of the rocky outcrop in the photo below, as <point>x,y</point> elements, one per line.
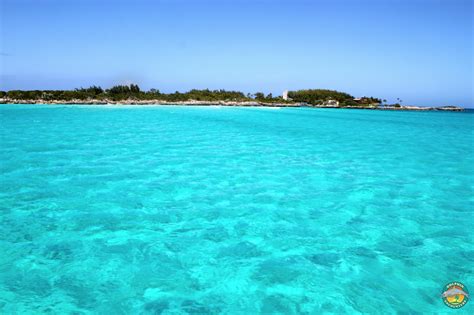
<point>221,103</point>
<point>419,108</point>
<point>450,108</point>
<point>147,102</point>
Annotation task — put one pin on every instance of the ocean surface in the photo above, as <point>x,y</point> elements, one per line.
<point>218,210</point>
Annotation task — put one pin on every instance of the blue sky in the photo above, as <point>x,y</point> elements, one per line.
<point>417,50</point>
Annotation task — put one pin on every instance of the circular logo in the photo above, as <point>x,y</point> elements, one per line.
<point>455,295</point>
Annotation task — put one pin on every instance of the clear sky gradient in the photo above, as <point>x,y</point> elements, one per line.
<point>417,50</point>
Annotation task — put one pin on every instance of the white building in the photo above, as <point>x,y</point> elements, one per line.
<point>285,95</point>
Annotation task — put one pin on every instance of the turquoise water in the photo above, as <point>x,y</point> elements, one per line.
<point>206,210</point>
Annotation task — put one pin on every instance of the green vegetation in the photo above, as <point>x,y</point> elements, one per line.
<point>320,97</point>
<point>204,95</point>
<point>369,101</point>
<point>134,93</point>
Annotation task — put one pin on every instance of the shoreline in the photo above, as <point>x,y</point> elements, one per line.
<point>5,101</point>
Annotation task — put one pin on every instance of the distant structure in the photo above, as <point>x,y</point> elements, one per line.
<point>331,103</point>
<point>285,95</point>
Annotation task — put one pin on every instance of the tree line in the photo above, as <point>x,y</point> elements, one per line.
<point>133,92</point>
<point>322,96</point>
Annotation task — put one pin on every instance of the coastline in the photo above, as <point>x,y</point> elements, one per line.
<point>219,103</point>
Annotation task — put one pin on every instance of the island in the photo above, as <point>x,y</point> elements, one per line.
<point>133,95</point>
